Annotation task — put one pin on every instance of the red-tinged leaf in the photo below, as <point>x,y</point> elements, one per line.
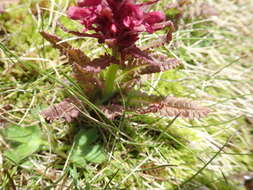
<point>130,82</point>
<point>159,42</point>
<point>89,81</point>
<point>112,111</point>
<point>159,26</point>
<point>98,64</point>
<point>160,67</point>
<point>74,55</point>
<point>83,71</point>
<point>136,67</point>
<point>129,79</point>
<point>172,106</point>
<point>138,98</point>
<point>56,42</point>
<point>135,52</point>
<point>77,57</point>
<point>98,36</point>
<point>67,109</point>
<point>159,63</point>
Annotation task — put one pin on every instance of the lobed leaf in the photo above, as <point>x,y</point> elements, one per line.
<point>161,41</point>
<point>112,110</point>
<point>98,64</point>
<point>56,42</point>
<point>159,63</point>
<point>66,109</point>
<point>172,106</point>
<point>138,98</point>
<point>74,55</point>
<point>84,70</point>
<point>81,34</point>
<point>130,81</point>
<point>160,67</point>
<point>89,81</point>
<point>134,52</point>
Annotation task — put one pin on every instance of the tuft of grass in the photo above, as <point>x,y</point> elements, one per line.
<point>145,152</point>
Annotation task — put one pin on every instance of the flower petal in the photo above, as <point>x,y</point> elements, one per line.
<point>154,17</point>
<point>84,3</point>
<point>77,13</point>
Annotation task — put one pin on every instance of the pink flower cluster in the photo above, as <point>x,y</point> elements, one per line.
<point>117,22</point>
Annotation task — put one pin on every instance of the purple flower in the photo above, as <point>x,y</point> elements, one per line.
<point>88,3</point>
<point>117,22</point>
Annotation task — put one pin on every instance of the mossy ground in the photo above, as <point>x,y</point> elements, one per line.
<point>216,52</point>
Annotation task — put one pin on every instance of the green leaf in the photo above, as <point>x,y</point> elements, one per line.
<point>85,150</point>
<point>96,154</point>
<point>21,134</point>
<point>28,141</point>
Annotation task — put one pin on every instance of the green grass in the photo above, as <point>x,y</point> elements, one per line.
<point>146,151</point>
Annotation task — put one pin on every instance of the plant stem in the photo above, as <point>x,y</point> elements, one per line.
<point>110,80</point>
<point>111,76</point>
